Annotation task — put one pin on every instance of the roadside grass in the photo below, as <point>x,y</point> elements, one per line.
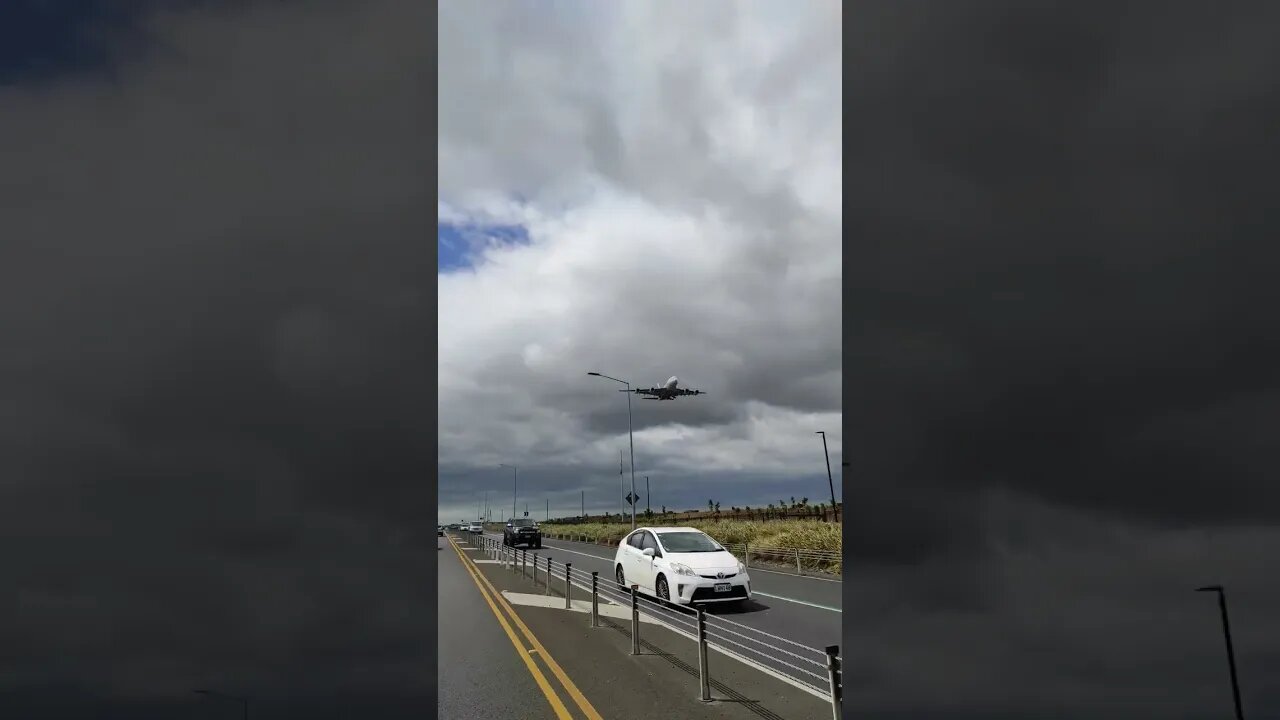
<point>811,535</point>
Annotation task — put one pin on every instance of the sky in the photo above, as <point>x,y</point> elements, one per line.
<point>215,444</point>
<point>215,299</point>
<point>1062,359</point>
<point>642,190</point>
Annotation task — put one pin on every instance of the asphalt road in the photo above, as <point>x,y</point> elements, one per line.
<point>479,672</point>
<point>801,609</point>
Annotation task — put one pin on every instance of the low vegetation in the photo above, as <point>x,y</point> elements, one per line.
<point>762,534</point>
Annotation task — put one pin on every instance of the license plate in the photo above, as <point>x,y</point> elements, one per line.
<point>724,587</point>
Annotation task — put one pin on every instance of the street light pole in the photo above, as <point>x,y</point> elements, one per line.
<point>244,702</point>
<point>630,437</point>
<point>646,494</point>
<point>514,478</point>
<point>830,483</point>
<point>1231,655</point>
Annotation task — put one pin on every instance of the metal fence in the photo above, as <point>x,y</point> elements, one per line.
<point>818,670</point>
<point>800,559</point>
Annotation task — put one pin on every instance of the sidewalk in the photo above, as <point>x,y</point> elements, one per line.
<point>662,682</point>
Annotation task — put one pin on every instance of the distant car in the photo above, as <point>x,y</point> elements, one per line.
<point>681,565</point>
<point>439,531</point>
<point>475,527</point>
<point>522,531</point>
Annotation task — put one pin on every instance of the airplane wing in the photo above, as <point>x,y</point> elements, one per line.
<point>644,391</point>
<point>685,391</point>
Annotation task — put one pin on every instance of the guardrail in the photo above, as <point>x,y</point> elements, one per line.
<point>801,559</point>
<point>818,671</point>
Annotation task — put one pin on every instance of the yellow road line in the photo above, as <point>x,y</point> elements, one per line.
<point>557,705</point>
<point>556,670</point>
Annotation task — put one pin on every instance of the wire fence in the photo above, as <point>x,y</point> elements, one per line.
<point>800,664</point>
<point>799,560</point>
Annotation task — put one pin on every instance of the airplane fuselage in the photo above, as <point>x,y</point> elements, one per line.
<point>670,390</point>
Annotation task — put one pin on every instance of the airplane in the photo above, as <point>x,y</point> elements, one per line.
<point>669,391</point>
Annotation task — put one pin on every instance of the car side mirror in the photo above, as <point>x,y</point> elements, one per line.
<point>648,552</point>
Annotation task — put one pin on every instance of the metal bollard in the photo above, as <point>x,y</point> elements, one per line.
<point>799,571</point>
<point>568,586</point>
<point>635,621</point>
<point>524,562</point>
<point>834,679</point>
<point>704,675</point>
<point>548,574</point>
<point>595,599</point>
<point>746,555</point>
<point>535,569</point>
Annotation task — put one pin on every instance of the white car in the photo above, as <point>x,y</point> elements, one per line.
<point>475,527</point>
<point>681,565</point>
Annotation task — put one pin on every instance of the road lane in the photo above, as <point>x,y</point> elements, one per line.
<point>478,672</point>
<point>801,622</point>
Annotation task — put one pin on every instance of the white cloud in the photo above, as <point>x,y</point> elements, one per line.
<point>677,168</point>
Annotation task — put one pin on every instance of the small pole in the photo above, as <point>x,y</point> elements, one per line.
<point>703,674</point>
<point>524,563</point>
<point>799,571</point>
<point>833,679</point>
<point>635,621</point>
<point>595,599</point>
<point>548,574</point>
<point>568,586</point>
<point>535,569</point>
<point>746,554</point>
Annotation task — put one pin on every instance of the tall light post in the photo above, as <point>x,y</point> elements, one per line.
<point>1226,633</point>
<point>514,475</point>
<point>646,494</point>
<point>244,702</point>
<point>630,436</point>
<point>830,483</point>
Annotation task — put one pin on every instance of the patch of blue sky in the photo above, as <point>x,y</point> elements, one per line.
<point>460,244</point>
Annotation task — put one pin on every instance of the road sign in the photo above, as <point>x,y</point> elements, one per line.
<point>631,499</point>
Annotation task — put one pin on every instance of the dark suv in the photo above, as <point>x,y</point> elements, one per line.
<point>522,531</point>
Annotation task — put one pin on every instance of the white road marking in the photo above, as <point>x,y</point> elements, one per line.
<point>801,602</point>
<point>606,609</point>
<point>609,607</point>
<point>753,592</point>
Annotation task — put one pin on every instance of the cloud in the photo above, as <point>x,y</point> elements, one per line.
<point>1061,358</point>
<point>212,434</point>
<point>677,172</point>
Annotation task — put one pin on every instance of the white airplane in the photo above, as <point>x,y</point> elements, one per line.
<point>670,391</point>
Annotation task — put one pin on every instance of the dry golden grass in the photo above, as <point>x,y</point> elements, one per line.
<point>789,534</point>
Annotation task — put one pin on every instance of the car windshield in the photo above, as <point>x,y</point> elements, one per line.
<point>689,542</point>
<point>523,522</point>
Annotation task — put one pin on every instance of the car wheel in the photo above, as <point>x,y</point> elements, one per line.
<point>620,577</point>
<point>664,592</point>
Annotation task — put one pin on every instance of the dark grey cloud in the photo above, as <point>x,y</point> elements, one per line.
<point>214,439</point>
<point>1062,290</point>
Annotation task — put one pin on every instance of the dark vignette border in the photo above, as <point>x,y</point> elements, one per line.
<point>17,700</point>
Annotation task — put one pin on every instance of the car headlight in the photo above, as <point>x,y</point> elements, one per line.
<point>682,569</point>
<point>741,567</point>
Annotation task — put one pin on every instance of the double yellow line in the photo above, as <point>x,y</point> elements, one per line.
<point>495,600</point>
